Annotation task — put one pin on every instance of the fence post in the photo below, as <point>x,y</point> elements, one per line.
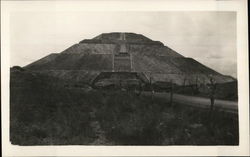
<point>184,85</point>
<point>151,87</point>
<point>212,93</point>
<point>171,93</point>
<point>196,84</point>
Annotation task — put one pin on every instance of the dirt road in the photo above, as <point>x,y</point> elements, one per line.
<point>227,106</point>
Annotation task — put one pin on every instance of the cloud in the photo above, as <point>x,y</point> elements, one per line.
<point>215,56</point>
<point>203,35</point>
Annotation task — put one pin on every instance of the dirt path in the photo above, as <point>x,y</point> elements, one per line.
<point>227,106</point>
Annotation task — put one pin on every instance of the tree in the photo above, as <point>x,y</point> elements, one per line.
<point>212,88</point>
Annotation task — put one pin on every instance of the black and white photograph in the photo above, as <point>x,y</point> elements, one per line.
<point>123,78</point>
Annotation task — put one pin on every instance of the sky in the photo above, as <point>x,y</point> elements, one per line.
<point>208,37</point>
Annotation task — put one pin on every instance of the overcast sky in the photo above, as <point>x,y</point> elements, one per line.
<point>208,37</point>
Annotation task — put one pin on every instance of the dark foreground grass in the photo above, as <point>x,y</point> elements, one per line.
<point>131,120</point>
<point>60,116</point>
<point>44,112</point>
<point>54,117</point>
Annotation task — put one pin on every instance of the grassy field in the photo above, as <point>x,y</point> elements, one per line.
<point>43,112</point>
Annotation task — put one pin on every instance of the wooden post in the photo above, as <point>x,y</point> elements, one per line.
<point>171,93</point>
<point>212,93</point>
<point>151,87</point>
<point>120,83</point>
<point>184,83</point>
<point>140,88</point>
<point>196,83</point>
<point>113,62</point>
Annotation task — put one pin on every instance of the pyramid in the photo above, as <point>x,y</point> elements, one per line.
<point>125,52</point>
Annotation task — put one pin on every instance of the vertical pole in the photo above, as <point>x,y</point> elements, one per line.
<point>151,87</point>
<point>212,92</point>
<point>184,84</point>
<point>171,93</point>
<point>131,65</point>
<point>212,99</point>
<point>120,83</point>
<point>113,62</point>
<point>196,84</point>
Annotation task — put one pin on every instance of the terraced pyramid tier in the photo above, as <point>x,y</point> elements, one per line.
<point>124,52</point>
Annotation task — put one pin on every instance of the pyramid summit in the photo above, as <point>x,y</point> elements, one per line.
<point>124,36</point>
<point>124,52</point>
